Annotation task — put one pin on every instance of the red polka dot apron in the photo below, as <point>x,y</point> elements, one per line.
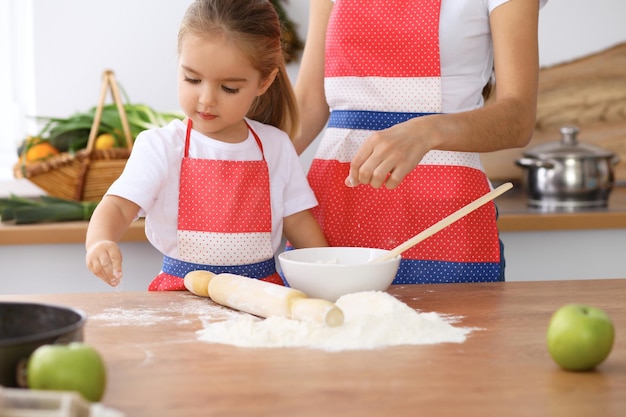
<point>224,220</point>
<point>383,68</point>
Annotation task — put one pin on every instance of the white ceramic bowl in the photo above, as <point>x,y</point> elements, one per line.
<point>331,272</point>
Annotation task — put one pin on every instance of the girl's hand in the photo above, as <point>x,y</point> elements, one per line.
<point>106,227</point>
<point>104,260</point>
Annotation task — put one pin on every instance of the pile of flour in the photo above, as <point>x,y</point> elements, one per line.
<point>372,319</point>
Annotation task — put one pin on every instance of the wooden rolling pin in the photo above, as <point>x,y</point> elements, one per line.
<point>262,298</point>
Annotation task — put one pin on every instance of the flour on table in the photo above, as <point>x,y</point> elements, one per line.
<point>372,319</point>
<point>180,312</point>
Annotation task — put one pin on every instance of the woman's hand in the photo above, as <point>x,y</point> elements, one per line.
<point>387,156</point>
<point>104,260</point>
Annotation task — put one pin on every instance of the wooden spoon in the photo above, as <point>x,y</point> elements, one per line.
<point>444,223</point>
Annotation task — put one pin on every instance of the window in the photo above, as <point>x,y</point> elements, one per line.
<point>17,92</point>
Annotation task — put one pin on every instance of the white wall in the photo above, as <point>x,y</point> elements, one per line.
<point>137,39</point>
<point>563,255</point>
<point>76,39</point>
<point>570,29</point>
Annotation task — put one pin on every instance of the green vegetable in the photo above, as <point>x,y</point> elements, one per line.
<point>70,140</point>
<point>44,209</point>
<point>71,134</point>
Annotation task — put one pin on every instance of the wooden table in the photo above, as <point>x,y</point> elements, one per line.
<point>161,369</point>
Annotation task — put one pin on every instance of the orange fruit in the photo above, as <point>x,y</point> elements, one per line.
<point>40,151</point>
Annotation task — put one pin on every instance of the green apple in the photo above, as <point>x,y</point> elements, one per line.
<point>580,337</point>
<point>72,367</point>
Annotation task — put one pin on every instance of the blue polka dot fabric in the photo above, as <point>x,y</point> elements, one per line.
<point>368,120</point>
<point>258,270</point>
<point>439,272</point>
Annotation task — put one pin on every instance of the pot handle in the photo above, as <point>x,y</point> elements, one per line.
<point>615,160</point>
<point>530,162</point>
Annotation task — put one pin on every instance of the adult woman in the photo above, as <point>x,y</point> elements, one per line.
<point>400,84</point>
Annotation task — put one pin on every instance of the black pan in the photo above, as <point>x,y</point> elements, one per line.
<point>26,326</point>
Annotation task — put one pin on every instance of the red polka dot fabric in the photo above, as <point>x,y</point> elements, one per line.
<point>389,38</point>
<point>382,218</point>
<point>235,196</point>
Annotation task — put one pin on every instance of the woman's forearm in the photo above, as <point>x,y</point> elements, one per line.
<point>309,86</point>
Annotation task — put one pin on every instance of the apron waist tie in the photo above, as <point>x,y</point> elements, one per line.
<point>174,270</point>
<point>369,120</point>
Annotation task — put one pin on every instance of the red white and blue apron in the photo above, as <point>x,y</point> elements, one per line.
<point>224,220</point>
<point>383,68</point>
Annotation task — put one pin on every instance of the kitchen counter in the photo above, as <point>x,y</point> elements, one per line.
<point>160,368</point>
<point>59,232</point>
<point>515,215</point>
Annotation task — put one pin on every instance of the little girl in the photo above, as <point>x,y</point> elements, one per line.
<point>219,189</point>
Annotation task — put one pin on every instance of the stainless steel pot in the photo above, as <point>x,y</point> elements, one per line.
<point>568,175</point>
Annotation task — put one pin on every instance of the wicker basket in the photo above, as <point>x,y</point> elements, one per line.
<point>87,174</point>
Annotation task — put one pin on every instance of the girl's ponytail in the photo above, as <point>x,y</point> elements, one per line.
<point>277,107</point>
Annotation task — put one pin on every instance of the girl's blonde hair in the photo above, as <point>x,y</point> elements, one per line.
<point>254,26</point>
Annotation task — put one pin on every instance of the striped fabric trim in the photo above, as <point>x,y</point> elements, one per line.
<point>224,248</point>
<point>180,268</point>
<point>385,94</point>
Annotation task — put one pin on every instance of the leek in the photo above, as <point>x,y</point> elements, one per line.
<point>20,210</point>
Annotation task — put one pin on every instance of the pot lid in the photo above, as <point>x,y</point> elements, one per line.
<point>568,147</point>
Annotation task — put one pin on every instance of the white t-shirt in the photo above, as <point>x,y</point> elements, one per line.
<point>466,51</point>
<point>151,176</point>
